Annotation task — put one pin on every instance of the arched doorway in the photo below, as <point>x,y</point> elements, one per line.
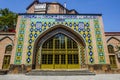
<point>59,49</point>
<point>59,52</point>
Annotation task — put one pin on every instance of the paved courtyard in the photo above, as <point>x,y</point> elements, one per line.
<point>96,77</point>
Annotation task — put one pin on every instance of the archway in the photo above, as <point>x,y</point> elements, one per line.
<point>59,48</point>
<point>7,57</point>
<point>113,43</point>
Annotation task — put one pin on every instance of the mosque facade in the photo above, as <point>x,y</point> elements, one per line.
<point>51,37</point>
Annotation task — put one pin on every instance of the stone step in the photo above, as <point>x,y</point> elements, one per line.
<point>60,72</point>
<point>3,72</point>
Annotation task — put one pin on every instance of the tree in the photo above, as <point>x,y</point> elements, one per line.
<point>8,20</point>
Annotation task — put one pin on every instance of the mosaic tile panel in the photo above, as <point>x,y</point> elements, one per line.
<point>82,55</point>
<point>86,33</point>
<point>40,23</point>
<point>99,42</point>
<point>20,42</point>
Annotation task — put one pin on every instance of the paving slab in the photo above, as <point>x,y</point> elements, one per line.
<point>80,77</point>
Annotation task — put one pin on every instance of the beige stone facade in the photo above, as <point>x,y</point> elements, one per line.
<point>5,40</point>
<point>113,39</point>
<point>42,22</point>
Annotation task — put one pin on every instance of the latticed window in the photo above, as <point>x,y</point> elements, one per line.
<point>7,57</point>
<point>8,49</point>
<point>112,61</point>
<point>60,51</point>
<point>110,49</point>
<point>6,62</point>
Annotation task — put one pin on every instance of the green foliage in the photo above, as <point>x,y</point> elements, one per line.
<point>8,20</point>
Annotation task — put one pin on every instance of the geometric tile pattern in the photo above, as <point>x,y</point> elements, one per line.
<point>40,23</point>
<point>81,26</point>
<point>82,55</point>
<point>99,42</point>
<point>20,42</point>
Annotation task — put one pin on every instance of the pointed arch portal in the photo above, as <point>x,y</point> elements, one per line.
<point>59,48</point>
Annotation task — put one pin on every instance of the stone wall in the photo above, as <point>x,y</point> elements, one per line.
<point>5,40</point>
<point>113,38</point>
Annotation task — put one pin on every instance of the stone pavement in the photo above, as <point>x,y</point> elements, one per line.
<point>81,77</point>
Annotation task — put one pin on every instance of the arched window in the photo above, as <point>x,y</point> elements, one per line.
<point>7,57</point>
<point>110,49</point>
<point>60,51</point>
<point>8,49</point>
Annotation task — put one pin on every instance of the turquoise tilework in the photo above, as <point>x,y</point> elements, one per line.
<point>80,24</point>
<point>20,42</point>
<point>99,42</point>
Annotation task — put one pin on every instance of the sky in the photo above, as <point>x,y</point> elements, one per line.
<point>110,9</point>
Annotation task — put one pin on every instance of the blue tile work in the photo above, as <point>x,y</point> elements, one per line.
<point>20,42</point>
<point>40,23</point>
<point>99,42</point>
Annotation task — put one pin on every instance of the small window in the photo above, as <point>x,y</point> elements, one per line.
<point>44,59</point>
<point>50,59</point>
<point>8,49</point>
<point>63,57</point>
<point>56,59</point>
<point>6,62</point>
<point>112,61</point>
<point>110,49</point>
<point>75,58</point>
<point>69,58</point>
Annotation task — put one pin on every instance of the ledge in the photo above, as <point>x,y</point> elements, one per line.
<point>87,14</point>
<point>7,33</point>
